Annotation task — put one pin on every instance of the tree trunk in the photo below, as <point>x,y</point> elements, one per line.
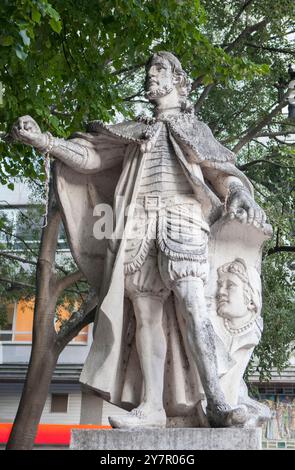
<point>44,354</point>
<point>32,401</point>
<point>47,344</point>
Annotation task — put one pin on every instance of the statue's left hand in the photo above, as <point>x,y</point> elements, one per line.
<point>27,131</point>
<point>242,206</point>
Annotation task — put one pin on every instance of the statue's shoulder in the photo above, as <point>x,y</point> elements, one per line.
<point>190,124</point>
<point>130,130</point>
<point>197,136</point>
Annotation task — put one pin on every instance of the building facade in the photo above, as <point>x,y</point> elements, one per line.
<point>67,402</point>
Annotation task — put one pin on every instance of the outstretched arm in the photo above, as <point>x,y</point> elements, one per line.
<point>79,154</point>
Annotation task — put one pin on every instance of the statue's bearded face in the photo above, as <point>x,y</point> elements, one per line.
<point>159,79</point>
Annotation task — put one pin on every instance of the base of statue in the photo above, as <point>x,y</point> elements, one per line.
<point>167,439</point>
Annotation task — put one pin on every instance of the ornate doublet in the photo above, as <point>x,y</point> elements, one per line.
<point>167,216</point>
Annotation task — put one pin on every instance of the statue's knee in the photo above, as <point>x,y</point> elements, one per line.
<point>148,313</point>
<point>144,322</point>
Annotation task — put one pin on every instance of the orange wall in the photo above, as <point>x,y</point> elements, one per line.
<point>23,322</point>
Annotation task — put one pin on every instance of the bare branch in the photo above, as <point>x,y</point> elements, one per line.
<point>280,50</point>
<point>65,55</point>
<point>262,160</point>
<point>253,130</point>
<point>129,98</point>
<point>246,32</point>
<point>284,142</point>
<point>140,101</point>
<point>228,48</point>
<point>256,188</point>
<point>78,319</point>
<point>262,134</point>
<point>261,143</point>
<point>203,96</point>
<point>54,111</point>
<point>285,34</point>
<point>237,17</point>
<point>197,82</point>
<point>128,69</point>
<point>274,134</point>
<point>280,249</point>
<point>18,258</point>
<point>67,281</point>
<point>7,232</point>
<point>27,246</point>
<point>16,283</point>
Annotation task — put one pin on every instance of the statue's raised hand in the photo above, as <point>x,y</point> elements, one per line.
<point>242,206</point>
<point>27,131</point>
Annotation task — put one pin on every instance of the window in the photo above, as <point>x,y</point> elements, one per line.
<point>16,322</point>
<point>28,227</point>
<point>6,331</point>
<point>25,223</point>
<point>59,402</point>
<point>8,220</point>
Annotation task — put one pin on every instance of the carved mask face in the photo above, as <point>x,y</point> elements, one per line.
<point>159,79</point>
<point>231,302</point>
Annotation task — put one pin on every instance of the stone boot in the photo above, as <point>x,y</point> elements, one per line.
<point>223,416</point>
<point>139,418</point>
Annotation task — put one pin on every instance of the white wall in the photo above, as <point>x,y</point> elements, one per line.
<point>10,396</point>
<point>19,196</point>
<point>20,353</point>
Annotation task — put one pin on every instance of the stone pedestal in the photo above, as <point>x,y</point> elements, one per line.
<point>167,439</point>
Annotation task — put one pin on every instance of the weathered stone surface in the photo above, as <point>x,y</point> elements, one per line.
<point>167,439</point>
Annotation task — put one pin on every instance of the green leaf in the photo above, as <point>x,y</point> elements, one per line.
<point>52,12</point>
<point>6,40</point>
<point>265,68</point>
<point>11,186</point>
<point>36,15</point>
<point>55,25</point>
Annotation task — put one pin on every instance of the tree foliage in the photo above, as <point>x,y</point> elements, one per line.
<point>67,62</point>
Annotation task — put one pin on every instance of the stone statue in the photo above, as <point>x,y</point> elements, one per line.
<point>157,347</point>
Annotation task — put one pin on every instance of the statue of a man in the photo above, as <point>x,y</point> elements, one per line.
<point>153,348</point>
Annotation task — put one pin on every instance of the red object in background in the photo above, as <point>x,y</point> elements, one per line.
<point>50,434</point>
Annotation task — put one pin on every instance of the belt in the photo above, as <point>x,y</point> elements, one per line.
<point>156,203</point>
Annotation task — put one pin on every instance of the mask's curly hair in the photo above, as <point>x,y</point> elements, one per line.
<point>183,82</point>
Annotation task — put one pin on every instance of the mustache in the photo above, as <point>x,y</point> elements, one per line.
<point>149,82</point>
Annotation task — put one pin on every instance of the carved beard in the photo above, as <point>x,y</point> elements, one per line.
<point>159,92</point>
